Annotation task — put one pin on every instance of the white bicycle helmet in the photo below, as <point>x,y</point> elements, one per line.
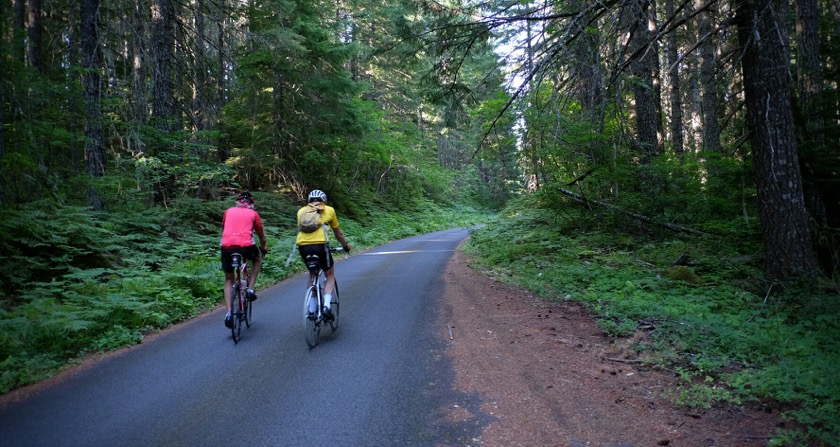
<point>317,194</point>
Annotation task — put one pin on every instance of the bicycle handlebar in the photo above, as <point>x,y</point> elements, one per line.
<point>340,249</point>
<point>332,249</point>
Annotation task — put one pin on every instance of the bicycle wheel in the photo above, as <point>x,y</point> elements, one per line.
<point>249,310</point>
<point>236,313</point>
<point>334,309</point>
<point>247,305</point>
<point>311,327</point>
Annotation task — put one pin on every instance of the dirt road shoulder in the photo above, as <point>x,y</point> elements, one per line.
<point>548,376</point>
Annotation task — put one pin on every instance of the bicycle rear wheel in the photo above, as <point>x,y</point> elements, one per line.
<point>236,313</point>
<point>334,309</point>
<point>311,326</point>
<point>249,311</point>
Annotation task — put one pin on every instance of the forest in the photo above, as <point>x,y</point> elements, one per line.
<point>673,164</point>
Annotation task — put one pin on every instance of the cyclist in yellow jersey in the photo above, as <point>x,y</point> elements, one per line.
<point>315,242</point>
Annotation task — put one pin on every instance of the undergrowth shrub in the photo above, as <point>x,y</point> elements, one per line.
<point>732,338</point>
<point>83,282</point>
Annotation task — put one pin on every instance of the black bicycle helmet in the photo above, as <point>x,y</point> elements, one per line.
<point>318,195</point>
<point>245,196</point>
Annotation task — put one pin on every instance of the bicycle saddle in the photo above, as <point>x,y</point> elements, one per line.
<point>312,262</point>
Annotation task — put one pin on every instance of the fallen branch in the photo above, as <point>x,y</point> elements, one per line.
<point>581,178</point>
<point>632,362</point>
<point>672,227</point>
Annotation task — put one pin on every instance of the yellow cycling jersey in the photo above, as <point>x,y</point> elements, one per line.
<point>328,217</point>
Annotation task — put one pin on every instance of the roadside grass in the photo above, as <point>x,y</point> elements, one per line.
<point>76,282</point>
<point>728,336</point>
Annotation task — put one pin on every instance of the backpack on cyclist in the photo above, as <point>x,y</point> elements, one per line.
<point>309,220</point>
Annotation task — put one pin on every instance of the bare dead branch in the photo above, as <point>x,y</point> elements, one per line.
<point>672,227</point>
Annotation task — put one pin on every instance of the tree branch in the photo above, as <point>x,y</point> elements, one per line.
<point>672,227</point>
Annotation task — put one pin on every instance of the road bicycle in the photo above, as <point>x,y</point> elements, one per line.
<point>241,307</point>
<point>314,322</point>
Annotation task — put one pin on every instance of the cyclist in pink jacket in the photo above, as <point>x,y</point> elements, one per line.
<point>239,225</point>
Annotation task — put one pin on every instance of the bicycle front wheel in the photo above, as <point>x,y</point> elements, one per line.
<point>311,325</point>
<point>334,309</point>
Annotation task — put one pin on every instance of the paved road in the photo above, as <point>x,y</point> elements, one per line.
<point>381,380</point>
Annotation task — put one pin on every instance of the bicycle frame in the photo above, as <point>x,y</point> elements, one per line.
<point>316,287</point>
<point>241,307</point>
<point>314,322</point>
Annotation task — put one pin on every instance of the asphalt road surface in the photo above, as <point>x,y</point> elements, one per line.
<point>380,380</point>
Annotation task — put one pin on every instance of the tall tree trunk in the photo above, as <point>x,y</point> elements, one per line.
<point>587,67</point>
<point>656,74</point>
<point>355,63</point>
<point>163,42</point>
<point>709,91</point>
<point>94,144</point>
<point>279,140</point>
<point>19,30</point>
<point>221,75</point>
<point>674,85</point>
<point>690,87</point>
<point>181,78</point>
<point>642,67</point>
<point>139,63</point>
<point>764,42</point>
<point>695,140</point>
<point>3,75</point>
<point>808,62</point>
<point>162,57</point>
<point>35,34</point>
<point>836,7</point>
<point>2,125</point>
<point>199,115</point>
<point>811,130</point>
<point>73,53</point>
<point>529,143</point>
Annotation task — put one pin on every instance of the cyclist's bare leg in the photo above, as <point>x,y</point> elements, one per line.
<point>329,285</point>
<point>228,290</point>
<point>253,273</point>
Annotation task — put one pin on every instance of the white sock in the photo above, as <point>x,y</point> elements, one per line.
<point>327,300</point>
<point>312,305</point>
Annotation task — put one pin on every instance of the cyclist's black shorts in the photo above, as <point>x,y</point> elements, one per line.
<point>324,255</point>
<point>251,253</point>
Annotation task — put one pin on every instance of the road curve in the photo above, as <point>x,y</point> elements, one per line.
<point>381,380</point>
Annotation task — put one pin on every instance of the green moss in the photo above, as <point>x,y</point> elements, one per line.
<point>682,273</point>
